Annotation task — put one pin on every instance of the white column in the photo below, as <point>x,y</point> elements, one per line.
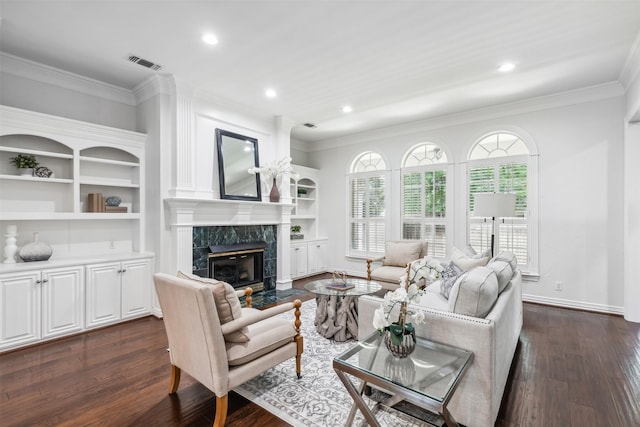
<point>631,222</point>
<point>184,185</point>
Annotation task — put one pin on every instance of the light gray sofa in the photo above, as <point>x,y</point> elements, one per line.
<point>492,337</point>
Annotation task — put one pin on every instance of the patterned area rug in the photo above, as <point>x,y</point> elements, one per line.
<point>319,397</point>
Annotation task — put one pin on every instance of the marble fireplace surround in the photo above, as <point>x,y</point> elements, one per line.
<point>185,214</point>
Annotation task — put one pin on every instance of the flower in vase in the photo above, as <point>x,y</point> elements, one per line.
<point>273,169</point>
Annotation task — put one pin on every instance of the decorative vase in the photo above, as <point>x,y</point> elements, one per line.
<point>36,250</point>
<point>274,195</point>
<point>406,347</point>
<point>25,171</point>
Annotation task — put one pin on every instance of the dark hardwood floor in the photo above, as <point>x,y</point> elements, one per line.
<point>571,369</point>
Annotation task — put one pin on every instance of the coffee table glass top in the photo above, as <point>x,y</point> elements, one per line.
<point>360,287</point>
<point>431,370</point>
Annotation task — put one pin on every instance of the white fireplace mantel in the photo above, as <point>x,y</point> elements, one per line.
<point>187,213</point>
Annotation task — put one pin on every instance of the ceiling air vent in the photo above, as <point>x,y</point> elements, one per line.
<point>148,64</point>
<point>309,125</point>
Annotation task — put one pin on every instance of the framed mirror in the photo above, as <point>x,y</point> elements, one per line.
<point>236,155</point>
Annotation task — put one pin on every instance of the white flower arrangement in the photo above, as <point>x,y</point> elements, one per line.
<point>273,169</point>
<point>408,291</point>
<point>424,268</point>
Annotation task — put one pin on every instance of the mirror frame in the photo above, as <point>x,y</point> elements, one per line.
<point>221,166</point>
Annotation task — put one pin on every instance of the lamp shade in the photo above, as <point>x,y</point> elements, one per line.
<point>494,204</point>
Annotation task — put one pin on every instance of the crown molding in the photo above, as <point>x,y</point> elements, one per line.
<point>153,86</point>
<point>631,68</point>
<point>24,68</point>
<point>562,99</point>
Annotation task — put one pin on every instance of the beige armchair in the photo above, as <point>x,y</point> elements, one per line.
<point>397,254</point>
<point>222,355</point>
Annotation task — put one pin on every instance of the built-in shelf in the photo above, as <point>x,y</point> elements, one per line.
<point>65,216</point>
<point>104,183</point>
<point>108,161</point>
<point>10,149</point>
<point>38,179</point>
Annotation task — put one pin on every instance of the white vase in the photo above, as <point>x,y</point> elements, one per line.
<point>36,250</point>
<point>25,171</point>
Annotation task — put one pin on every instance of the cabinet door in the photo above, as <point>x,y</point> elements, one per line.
<point>299,263</point>
<point>62,301</point>
<point>103,294</point>
<point>317,257</point>
<point>20,295</point>
<point>136,288</point>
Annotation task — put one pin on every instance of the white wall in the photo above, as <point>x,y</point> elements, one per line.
<point>34,87</point>
<point>580,192</point>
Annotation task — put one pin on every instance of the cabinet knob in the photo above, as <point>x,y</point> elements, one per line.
<point>38,282</point>
<point>45,280</point>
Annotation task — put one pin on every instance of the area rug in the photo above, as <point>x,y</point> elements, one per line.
<point>319,397</point>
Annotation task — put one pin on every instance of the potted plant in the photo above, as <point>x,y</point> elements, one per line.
<point>295,232</point>
<point>302,192</point>
<point>25,163</point>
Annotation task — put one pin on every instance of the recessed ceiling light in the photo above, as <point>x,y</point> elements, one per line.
<point>347,109</point>
<point>210,38</point>
<point>270,93</point>
<point>506,67</point>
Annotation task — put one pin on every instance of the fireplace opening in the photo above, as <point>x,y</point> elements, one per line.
<point>240,265</point>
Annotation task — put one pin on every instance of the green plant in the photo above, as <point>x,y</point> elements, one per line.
<point>296,228</point>
<point>302,191</point>
<point>24,161</point>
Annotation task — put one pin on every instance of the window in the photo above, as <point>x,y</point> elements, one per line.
<point>500,163</point>
<point>424,197</point>
<point>367,211</point>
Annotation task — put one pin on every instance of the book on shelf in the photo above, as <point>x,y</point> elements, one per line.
<point>116,209</point>
<point>340,286</point>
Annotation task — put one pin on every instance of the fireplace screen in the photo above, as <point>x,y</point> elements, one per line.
<point>239,265</point>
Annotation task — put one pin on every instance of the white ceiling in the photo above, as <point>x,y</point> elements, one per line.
<point>392,61</point>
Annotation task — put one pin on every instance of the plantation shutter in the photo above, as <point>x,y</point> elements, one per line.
<point>367,218</point>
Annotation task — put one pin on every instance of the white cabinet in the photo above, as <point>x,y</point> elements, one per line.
<point>317,256</point>
<point>298,260</point>
<point>308,258</point>
<point>40,304</point>
<point>118,291</point>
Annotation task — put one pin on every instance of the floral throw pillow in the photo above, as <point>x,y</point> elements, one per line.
<point>448,278</point>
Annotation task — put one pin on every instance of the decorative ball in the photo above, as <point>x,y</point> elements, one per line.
<point>113,201</point>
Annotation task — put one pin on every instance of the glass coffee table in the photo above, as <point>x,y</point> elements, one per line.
<point>337,311</point>
<point>427,379</point>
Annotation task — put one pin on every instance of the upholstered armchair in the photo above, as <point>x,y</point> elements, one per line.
<point>397,254</point>
<point>217,342</point>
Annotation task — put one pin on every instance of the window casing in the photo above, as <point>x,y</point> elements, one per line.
<point>424,197</point>
<point>367,205</point>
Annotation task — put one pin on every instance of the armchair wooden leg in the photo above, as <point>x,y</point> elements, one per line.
<point>298,338</point>
<point>175,379</point>
<point>369,269</point>
<point>247,295</point>
<point>221,410</point>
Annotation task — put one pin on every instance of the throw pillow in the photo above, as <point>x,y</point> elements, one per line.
<point>474,293</point>
<point>503,273</point>
<point>509,257</point>
<point>227,304</point>
<point>448,278</point>
<point>465,262</point>
<point>399,254</point>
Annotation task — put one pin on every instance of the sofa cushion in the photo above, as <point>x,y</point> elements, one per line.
<point>503,272</point>
<point>266,336</point>
<point>227,304</point>
<point>509,257</point>
<point>474,293</point>
<point>448,278</point>
<point>466,262</point>
<point>388,274</point>
<point>399,254</point>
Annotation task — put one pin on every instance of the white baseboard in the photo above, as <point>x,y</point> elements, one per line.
<point>588,306</point>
